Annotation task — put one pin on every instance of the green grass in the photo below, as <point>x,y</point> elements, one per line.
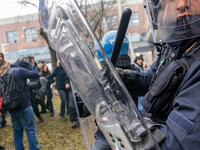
<point>53,134</point>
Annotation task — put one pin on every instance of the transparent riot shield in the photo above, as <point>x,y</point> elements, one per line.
<point>97,82</point>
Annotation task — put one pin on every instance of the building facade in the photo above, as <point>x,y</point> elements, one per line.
<point>20,37</point>
<point>138,28</point>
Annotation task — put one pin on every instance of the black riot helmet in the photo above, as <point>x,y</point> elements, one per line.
<point>174,20</point>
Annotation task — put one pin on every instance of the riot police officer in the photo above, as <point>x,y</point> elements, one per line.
<point>123,62</point>
<point>173,81</point>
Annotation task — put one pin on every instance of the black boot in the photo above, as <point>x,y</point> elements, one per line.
<point>41,119</point>
<point>1,148</point>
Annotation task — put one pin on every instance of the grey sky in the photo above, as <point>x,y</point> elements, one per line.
<point>10,8</point>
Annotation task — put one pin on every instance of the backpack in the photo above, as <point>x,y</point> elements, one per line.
<point>38,87</point>
<point>10,92</point>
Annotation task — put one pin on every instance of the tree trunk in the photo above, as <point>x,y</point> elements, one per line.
<point>53,58</point>
<point>52,52</point>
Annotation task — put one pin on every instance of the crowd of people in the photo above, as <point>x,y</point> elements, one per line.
<point>34,82</point>
<point>36,77</point>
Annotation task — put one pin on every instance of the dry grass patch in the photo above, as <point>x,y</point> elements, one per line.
<point>53,134</point>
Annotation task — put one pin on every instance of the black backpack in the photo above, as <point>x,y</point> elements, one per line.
<point>11,96</point>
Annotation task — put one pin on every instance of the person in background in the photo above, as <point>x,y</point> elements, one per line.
<point>39,65</point>
<point>44,71</point>
<point>65,92</point>
<point>35,84</point>
<point>34,98</point>
<point>32,61</point>
<point>0,103</point>
<point>138,62</point>
<point>4,66</point>
<point>23,119</point>
<point>1,114</point>
<point>123,62</point>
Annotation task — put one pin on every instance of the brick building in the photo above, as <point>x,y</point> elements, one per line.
<point>20,38</point>
<point>138,29</point>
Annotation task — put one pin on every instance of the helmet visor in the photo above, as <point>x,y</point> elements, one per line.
<point>174,20</point>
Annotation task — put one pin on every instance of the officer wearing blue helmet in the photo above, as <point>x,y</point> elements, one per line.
<point>123,62</point>
<point>171,85</point>
<point>108,42</point>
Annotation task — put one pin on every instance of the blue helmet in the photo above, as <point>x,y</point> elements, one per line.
<point>108,42</point>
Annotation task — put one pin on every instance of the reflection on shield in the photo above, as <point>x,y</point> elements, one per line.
<point>87,123</point>
<point>97,83</point>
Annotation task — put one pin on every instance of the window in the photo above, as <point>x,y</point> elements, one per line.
<point>12,37</point>
<point>30,34</point>
<point>134,21</point>
<point>138,37</point>
<point>42,51</point>
<point>110,22</point>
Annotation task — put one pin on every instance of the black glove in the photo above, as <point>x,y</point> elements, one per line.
<point>126,73</point>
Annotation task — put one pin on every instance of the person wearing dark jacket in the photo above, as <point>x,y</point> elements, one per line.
<point>44,71</point>
<point>65,92</point>
<point>138,62</point>
<point>2,114</point>
<point>123,62</point>
<point>0,102</point>
<point>35,84</point>
<point>23,119</point>
<point>0,105</point>
<point>4,66</point>
<point>34,98</point>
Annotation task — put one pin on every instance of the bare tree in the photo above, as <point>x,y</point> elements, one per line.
<point>52,52</point>
<point>42,33</point>
<point>97,12</point>
<point>26,2</point>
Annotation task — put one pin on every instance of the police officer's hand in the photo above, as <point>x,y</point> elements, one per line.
<point>126,73</point>
<point>67,86</point>
<point>129,74</point>
<point>120,72</point>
